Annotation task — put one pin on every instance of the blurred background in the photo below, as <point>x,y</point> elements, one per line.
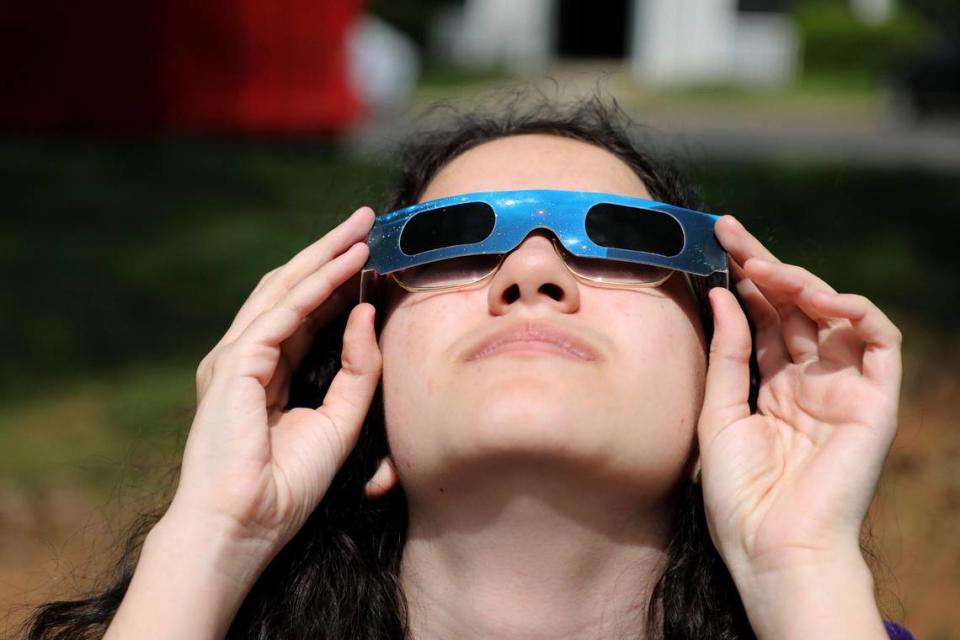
<point>156,158</point>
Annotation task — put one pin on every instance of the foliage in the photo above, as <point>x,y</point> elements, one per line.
<point>835,41</point>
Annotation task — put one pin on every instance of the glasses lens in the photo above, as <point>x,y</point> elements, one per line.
<point>608,225</point>
<point>453,272</point>
<point>620,227</point>
<point>614,271</point>
<point>457,224</point>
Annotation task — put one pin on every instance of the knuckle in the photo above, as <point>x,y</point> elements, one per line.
<point>265,277</point>
<point>298,307</point>
<point>227,356</point>
<point>862,300</point>
<point>204,364</point>
<point>270,278</point>
<point>205,368</point>
<point>897,335</point>
<point>738,350</point>
<point>202,371</point>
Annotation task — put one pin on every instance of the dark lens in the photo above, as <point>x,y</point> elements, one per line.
<point>465,223</point>
<point>620,227</point>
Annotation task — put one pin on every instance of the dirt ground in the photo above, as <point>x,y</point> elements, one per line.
<point>55,546</point>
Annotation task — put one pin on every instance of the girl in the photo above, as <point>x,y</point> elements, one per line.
<point>533,454</point>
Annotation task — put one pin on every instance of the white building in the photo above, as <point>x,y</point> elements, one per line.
<point>664,42</point>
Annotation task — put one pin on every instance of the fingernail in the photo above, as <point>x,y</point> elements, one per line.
<point>357,212</point>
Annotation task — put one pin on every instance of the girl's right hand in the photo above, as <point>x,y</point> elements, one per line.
<point>250,469</point>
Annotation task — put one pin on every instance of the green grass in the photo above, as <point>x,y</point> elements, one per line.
<point>132,251</point>
<point>96,432</point>
<point>125,262</point>
<point>881,232</point>
<point>835,42</point>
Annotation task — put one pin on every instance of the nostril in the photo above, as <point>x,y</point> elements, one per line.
<point>552,290</point>
<point>511,294</point>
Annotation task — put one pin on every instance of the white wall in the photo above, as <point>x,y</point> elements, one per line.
<point>682,41</point>
<point>670,43</point>
<point>484,33</point>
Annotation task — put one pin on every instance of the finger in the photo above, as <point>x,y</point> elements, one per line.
<point>278,323</point>
<point>740,243</point>
<point>772,353</point>
<point>784,286</point>
<point>279,281</point>
<point>297,345</point>
<point>273,285</point>
<point>728,372</point>
<point>797,333</point>
<point>351,391</point>
<point>881,358</point>
<point>295,348</point>
<point>277,391</point>
<point>836,341</point>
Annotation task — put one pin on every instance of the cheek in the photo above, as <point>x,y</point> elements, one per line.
<point>664,370</point>
<point>406,378</point>
<point>400,393</point>
<point>661,335</point>
<point>413,343</point>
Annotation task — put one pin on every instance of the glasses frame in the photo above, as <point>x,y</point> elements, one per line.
<point>564,213</point>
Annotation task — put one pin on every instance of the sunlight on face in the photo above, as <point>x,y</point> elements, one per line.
<point>628,414</point>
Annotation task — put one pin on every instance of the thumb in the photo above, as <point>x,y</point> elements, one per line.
<point>352,389</point>
<point>728,372</point>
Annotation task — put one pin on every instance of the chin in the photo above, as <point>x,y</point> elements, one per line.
<point>526,380</point>
<point>515,422</point>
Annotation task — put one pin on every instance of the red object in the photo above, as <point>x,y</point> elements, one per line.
<point>272,66</point>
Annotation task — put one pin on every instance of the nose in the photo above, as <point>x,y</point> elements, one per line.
<point>534,274</point>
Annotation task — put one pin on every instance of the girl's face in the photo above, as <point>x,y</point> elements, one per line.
<point>626,413</point>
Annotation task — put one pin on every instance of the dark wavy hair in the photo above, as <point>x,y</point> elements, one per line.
<point>338,577</point>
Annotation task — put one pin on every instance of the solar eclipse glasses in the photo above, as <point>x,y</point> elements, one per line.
<point>604,239</point>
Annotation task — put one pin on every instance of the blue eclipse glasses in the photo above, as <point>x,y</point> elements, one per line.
<point>604,239</point>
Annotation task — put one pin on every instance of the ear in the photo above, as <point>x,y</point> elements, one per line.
<point>384,479</point>
<point>693,462</point>
<point>695,471</point>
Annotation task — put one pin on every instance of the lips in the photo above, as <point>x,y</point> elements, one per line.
<point>532,331</point>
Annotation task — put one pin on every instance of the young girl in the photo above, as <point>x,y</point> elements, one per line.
<point>532,454</point>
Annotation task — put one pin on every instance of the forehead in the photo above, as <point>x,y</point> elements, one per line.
<point>535,161</point>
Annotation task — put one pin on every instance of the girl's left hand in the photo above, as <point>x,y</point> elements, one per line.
<point>791,484</point>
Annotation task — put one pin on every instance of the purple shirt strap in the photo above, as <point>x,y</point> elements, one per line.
<point>896,632</point>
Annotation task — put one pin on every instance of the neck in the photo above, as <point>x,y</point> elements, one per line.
<point>532,553</point>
